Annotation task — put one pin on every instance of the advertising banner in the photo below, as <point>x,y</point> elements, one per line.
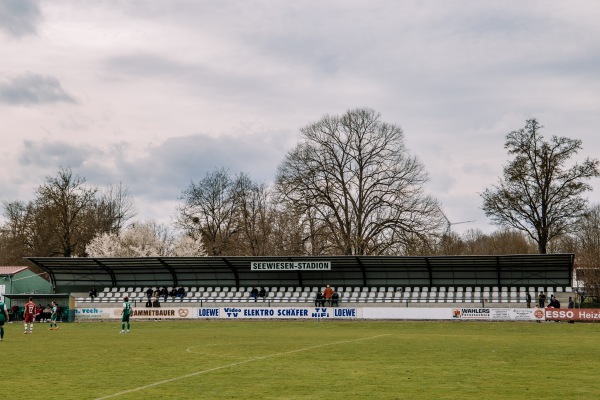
<point>317,313</point>
<point>573,314</point>
<point>465,313</point>
<point>290,312</point>
<point>91,313</point>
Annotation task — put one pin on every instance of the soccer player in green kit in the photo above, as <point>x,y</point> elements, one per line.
<point>54,316</point>
<point>125,314</point>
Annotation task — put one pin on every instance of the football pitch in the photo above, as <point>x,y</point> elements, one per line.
<point>302,360</point>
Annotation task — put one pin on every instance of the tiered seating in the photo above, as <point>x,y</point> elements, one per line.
<point>358,294</point>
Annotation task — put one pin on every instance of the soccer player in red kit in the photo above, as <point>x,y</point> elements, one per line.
<point>29,315</point>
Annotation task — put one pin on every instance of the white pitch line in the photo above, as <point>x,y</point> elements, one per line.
<point>234,365</point>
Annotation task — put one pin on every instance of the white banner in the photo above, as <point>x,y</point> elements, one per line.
<point>317,313</point>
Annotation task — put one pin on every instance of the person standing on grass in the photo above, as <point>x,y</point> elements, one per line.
<point>3,318</point>
<point>29,315</point>
<point>125,314</point>
<point>571,305</point>
<point>54,316</point>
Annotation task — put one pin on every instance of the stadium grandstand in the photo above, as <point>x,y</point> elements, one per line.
<point>419,281</point>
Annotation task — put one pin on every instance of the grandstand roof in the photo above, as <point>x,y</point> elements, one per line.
<point>502,270</point>
<point>11,270</point>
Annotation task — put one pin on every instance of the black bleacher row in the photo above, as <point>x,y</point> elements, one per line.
<point>383,294</point>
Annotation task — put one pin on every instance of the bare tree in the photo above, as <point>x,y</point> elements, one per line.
<point>210,208</point>
<point>539,194</point>
<point>586,244</point>
<point>354,175</point>
<point>255,215</point>
<point>65,215</point>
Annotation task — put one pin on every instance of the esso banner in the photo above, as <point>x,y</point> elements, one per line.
<point>573,314</point>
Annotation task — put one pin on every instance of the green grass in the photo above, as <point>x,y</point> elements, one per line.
<point>302,360</point>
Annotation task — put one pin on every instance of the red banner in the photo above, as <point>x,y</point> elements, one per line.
<point>573,314</point>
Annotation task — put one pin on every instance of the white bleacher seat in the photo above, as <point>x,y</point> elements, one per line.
<point>106,289</point>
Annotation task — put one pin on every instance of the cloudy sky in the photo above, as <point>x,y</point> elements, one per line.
<point>155,94</point>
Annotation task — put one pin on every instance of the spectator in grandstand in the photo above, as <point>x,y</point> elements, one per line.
<point>164,293</point>
<point>319,302</point>
<point>528,300</point>
<point>155,302</point>
<point>335,299</point>
<point>554,303</point>
<point>29,315</point>
<point>542,300</point>
<point>327,295</point>
<point>93,293</point>
<point>149,294</point>
<point>181,292</point>
<point>125,314</point>
<point>254,293</point>
<point>54,316</point>
<point>262,292</point>
<point>3,318</point>
<point>173,293</point>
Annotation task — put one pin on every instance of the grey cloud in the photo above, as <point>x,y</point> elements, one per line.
<point>19,18</point>
<point>169,168</point>
<point>33,89</point>
<point>161,174</point>
<point>53,154</point>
